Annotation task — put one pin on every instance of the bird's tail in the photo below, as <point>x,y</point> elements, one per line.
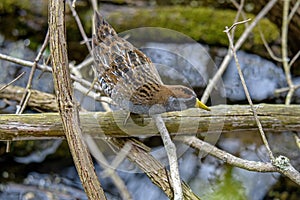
<point>102,28</point>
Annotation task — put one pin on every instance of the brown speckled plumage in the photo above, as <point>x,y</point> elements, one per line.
<point>130,78</point>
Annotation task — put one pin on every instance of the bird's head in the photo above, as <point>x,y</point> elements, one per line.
<point>180,98</point>
<point>155,99</point>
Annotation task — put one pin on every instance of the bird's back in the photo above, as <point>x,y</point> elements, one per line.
<point>122,69</point>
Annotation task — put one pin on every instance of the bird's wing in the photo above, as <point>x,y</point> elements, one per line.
<point>120,66</point>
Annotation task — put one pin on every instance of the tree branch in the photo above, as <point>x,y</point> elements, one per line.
<point>172,156</point>
<point>157,173</point>
<point>66,102</point>
<point>237,119</point>
<point>260,127</point>
<point>46,68</point>
<point>258,166</point>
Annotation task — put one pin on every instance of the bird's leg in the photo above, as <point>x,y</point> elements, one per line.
<point>130,114</point>
<point>126,118</point>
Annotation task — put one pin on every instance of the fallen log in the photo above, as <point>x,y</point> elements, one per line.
<point>222,118</point>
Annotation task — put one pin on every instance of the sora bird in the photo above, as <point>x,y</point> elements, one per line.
<point>130,78</point>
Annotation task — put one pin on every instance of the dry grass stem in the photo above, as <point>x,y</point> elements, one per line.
<point>260,128</point>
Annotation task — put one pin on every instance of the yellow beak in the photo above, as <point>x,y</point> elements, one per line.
<point>199,104</point>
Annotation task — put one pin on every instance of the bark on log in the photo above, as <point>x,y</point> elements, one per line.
<point>157,172</point>
<point>67,103</point>
<point>236,118</point>
<point>38,100</point>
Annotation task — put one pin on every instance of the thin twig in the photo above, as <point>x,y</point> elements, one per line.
<point>237,23</point>
<point>94,95</point>
<point>80,81</point>
<point>268,48</point>
<point>94,4</point>
<point>257,166</point>
<point>109,169</point>
<point>289,95</point>
<point>11,82</point>
<point>158,174</point>
<point>73,3</point>
<point>172,156</point>
<point>2,88</point>
<point>79,24</point>
<point>76,69</point>
<point>294,59</point>
<point>213,82</point>
<point>46,68</point>
<point>26,95</point>
<point>239,12</point>
<point>260,128</point>
<point>120,157</point>
<point>284,51</point>
<point>294,10</point>
<point>23,62</point>
<point>84,63</point>
<point>285,89</point>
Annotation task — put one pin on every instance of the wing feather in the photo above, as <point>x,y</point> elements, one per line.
<point>122,69</point>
